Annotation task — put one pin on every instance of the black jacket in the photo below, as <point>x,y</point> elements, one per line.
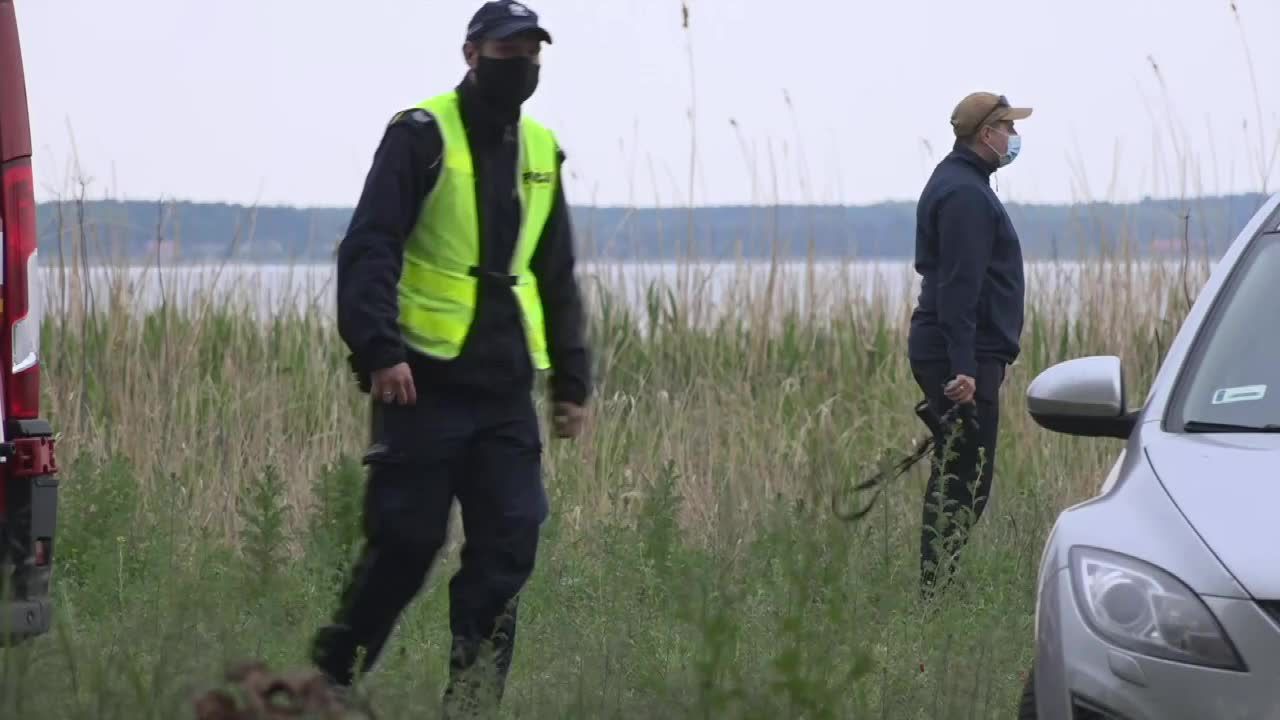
<point>494,357</point>
<point>970,264</point>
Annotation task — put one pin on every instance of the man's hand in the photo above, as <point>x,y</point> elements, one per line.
<point>394,385</point>
<point>567,419</point>
<point>961,389</point>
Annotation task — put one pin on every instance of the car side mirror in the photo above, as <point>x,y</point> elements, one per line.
<point>1084,396</point>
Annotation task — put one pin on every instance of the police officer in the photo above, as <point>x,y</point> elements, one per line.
<point>967,325</point>
<point>455,284</point>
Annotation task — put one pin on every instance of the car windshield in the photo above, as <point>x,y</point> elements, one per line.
<point>1234,379</point>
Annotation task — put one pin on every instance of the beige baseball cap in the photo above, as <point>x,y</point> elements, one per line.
<point>983,108</point>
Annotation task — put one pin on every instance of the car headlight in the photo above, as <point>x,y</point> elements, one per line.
<point>1142,608</point>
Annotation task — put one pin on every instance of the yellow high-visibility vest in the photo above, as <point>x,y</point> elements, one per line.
<point>441,275</point>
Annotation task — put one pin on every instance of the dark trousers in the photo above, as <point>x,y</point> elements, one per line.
<point>485,452</point>
<point>963,464</point>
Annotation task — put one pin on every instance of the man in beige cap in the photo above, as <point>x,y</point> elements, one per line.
<point>967,323</point>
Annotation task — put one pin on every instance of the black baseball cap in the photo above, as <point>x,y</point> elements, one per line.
<point>502,19</point>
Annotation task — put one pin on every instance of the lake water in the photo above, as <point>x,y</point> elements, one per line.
<point>703,289</point>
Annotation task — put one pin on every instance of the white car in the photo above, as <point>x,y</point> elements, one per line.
<point>1159,599</point>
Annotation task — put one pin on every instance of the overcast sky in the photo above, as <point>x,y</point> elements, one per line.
<point>283,101</point>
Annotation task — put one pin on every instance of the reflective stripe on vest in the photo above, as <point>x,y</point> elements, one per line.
<point>440,277</point>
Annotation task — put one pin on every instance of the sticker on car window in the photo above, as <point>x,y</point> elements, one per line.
<point>1239,394</point>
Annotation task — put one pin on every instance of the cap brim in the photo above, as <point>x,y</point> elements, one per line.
<point>1018,113</point>
<point>503,32</point>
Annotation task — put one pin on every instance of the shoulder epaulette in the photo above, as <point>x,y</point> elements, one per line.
<point>417,116</point>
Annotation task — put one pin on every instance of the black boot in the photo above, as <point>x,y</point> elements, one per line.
<point>333,651</point>
<point>478,670</point>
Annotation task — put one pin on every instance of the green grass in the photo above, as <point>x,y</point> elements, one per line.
<point>691,566</point>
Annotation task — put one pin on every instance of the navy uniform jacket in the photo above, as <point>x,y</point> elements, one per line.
<point>970,307</point>
<point>495,358</point>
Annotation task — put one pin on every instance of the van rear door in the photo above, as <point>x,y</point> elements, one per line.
<point>28,471</point>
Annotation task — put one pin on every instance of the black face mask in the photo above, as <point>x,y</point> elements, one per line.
<point>506,83</point>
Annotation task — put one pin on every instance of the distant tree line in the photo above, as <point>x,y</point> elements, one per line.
<point>136,232</point>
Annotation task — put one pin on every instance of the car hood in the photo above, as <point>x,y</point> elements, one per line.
<point>1228,488</point>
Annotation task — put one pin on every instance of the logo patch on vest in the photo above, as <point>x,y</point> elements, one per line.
<point>538,178</point>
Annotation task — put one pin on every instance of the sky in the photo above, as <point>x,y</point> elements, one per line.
<point>282,102</point>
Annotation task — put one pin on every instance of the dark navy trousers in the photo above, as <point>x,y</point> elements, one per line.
<point>962,467</point>
<point>483,451</point>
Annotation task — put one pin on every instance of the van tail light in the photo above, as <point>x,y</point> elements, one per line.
<point>22,306</point>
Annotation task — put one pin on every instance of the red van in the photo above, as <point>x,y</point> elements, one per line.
<point>28,472</point>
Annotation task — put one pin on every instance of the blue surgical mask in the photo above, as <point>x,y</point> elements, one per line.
<point>1015,146</point>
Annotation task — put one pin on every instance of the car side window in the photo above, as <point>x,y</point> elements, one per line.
<point>1235,378</point>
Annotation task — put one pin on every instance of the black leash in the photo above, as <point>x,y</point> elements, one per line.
<point>936,425</point>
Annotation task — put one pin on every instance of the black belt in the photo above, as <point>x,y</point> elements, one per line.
<point>492,276</point>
